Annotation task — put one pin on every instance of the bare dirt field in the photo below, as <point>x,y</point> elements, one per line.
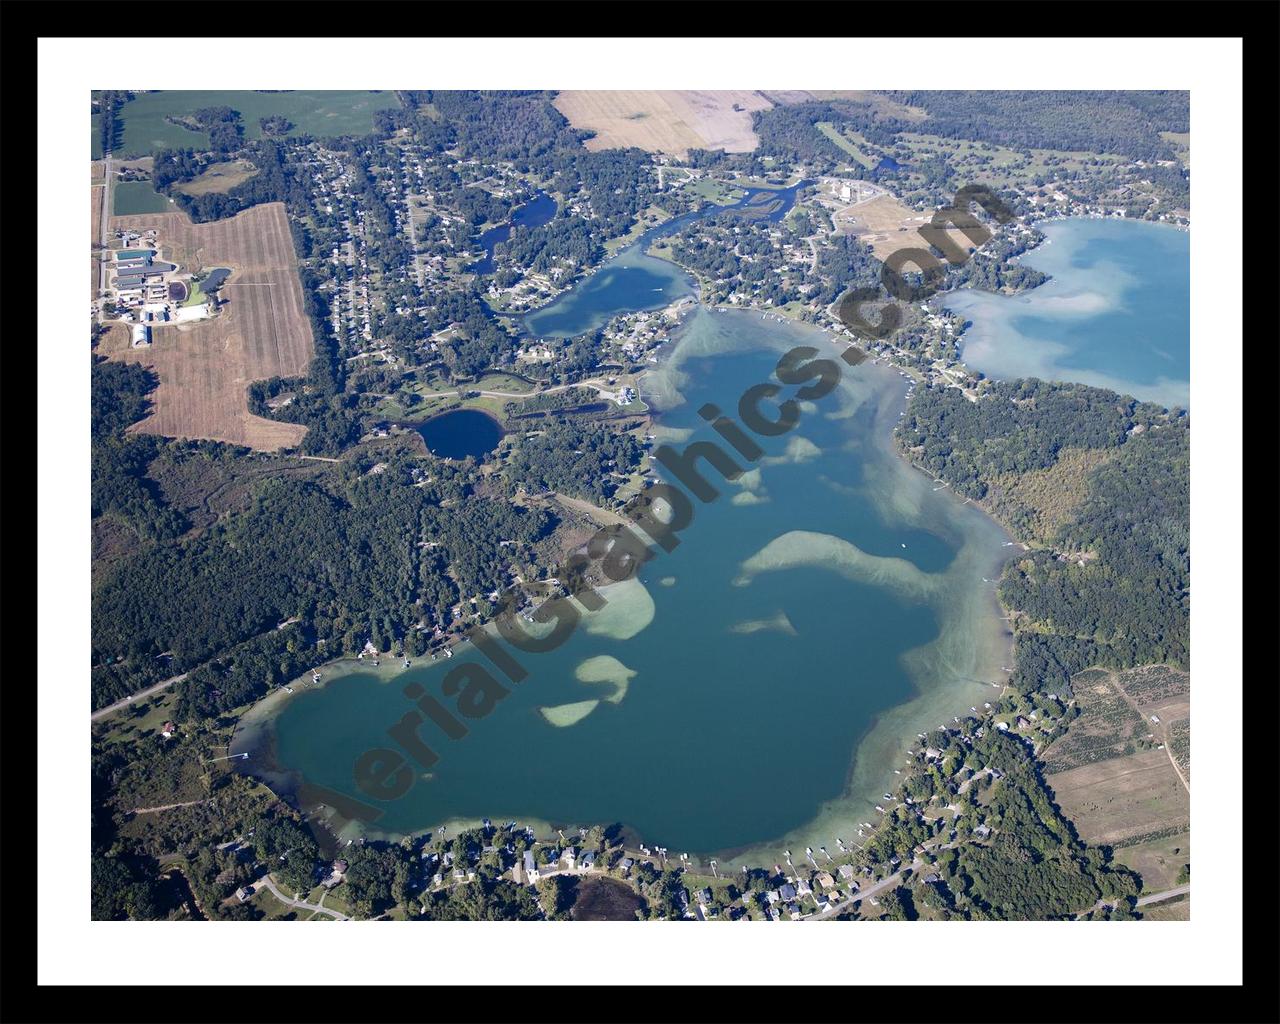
<point>884,224</point>
<point>665,121</point>
<point>261,331</point>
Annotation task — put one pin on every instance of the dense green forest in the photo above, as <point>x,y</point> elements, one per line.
<point>1114,588</point>
<point>581,460</point>
<point>362,556</point>
<point>1096,121</point>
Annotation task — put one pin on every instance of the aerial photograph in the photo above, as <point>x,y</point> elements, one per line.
<point>607,505</point>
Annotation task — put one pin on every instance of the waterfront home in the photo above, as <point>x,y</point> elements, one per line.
<point>530,866</point>
<point>587,861</point>
<point>846,871</point>
<point>825,879</point>
<point>787,892</point>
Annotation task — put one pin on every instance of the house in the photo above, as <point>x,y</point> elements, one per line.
<point>802,887</point>
<point>530,866</point>
<point>982,830</point>
<point>244,893</point>
<point>625,864</point>
<point>168,730</point>
<point>846,871</point>
<point>337,871</point>
<point>825,880</point>
<point>931,877</point>
<point>770,896</point>
<point>787,892</point>
<point>704,895</point>
<point>587,861</point>
<point>794,910</point>
<point>570,857</point>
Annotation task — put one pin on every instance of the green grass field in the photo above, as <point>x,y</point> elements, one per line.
<point>322,113</point>
<point>130,197</point>
<point>718,192</point>
<point>844,142</point>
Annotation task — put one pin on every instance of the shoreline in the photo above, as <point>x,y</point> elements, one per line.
<point>878,747</point>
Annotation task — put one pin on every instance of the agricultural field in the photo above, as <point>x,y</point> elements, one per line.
<point>262,330</point>
<point>665,121</point>
<point>320,113</point>
<point>222,177</point>
<point>1159,861</point>
<point>133,197</point>
<point>1113,775</point>
<point>1169,910</point>
<point>1123,797</point>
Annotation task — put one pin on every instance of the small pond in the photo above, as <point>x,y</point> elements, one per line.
<point>462,432</point>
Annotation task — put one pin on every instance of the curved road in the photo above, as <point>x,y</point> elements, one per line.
<point>299,904</point>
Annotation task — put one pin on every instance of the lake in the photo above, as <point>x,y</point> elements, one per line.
<point>632,281</point>
<point>1115,315</point>
<point>461,433</point>
<point>754,688</point>
<point>538,211</point>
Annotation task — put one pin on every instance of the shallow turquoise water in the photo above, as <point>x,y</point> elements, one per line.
<point>1115,315</point>
<point>749,696</point>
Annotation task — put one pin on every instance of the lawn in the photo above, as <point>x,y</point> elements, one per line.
<point>195,294</point>
<point>718,192</point>
<point>320,113</point>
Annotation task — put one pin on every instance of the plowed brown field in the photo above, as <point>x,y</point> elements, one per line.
<point>261,330</point>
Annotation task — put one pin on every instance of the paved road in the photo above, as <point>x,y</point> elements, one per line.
<point>1142,901</point>
<point>1168,894</point>
<point>103,262</point>
<point>119,705</point>
<point>266,881</point>
<point>545,391</point>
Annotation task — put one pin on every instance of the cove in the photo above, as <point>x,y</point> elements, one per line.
<point>538,211</point>
<point>751,690</point>
<point>1116,313</point>
<point>633,281</point>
